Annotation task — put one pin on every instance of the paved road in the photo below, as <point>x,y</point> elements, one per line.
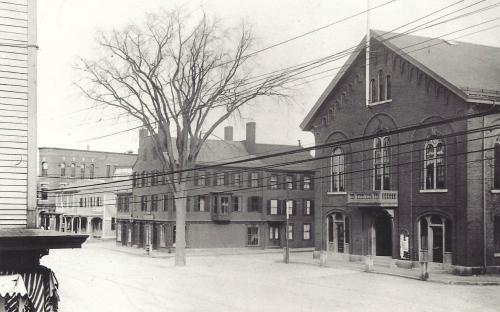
<point>100,277</point>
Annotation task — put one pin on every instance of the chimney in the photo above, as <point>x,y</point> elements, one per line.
<point>228,133</point>
<point>250,137</point>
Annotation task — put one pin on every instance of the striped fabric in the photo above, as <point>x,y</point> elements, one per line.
<point>41,285</point>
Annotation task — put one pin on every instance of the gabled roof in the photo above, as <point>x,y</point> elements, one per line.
<point>472,71</point>
<point>215,152</point>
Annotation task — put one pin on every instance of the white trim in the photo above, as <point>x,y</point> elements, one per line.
<point>336,193</point>
<point>379,102</point>
<point>434,191</point>
<point>495,191</point>
<point>496,255</point>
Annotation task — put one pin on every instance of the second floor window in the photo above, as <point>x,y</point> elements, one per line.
<point>220,178</point>
<point>381,163</point>
<point>308,207</point>
<point>307,183</point>
<point>289,182</point>
<point>201,203</point>
<point>108,171</point>
<point>337,171</point>
<point>45,169</point>
<point>254,204</point>
<point>237,178</point>
<point>165,202</point>
<point>91,171</point>
<point>154,202</point>
<point>236,204</point>
<point>202,178</point>
<point>273,207</point>
<point>273,182</point>
<point>254,179</point>
<point>144,203</point>
<point>73,170</point>
<point>434,165</point>
<point>82,171</point>
<point>63,169</point>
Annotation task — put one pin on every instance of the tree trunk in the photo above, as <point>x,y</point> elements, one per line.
<point>180,225</point>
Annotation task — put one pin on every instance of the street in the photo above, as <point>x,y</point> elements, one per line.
<point>105,277</point>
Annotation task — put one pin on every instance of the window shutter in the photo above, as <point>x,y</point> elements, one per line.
<point>312,207</point>
<point>195,177</point>
<point>232,178</point>
<point>207,178</point>
<point>294,182</point>
<point>279,180</point>
<point>301,182</point>
<point>249,203</point>
<point>226,178</point>
<point>260,202</point>
<point>268,206</point>
<point>294,209</point>
<point>260,182</point>
<point>249,179</point>
<point>311,183</point>
<point>280,207</point>
<point>304,207</point>
<point>188,203</point>
<point>196,203</point>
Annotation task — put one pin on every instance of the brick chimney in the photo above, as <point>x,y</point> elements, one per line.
<point>250,137</point>
<point>228,133</point>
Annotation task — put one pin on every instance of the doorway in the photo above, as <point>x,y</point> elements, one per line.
<point>383,234</point>
<point>274,235</point>
<point>437,244</point>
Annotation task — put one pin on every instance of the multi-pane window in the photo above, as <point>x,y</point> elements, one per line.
<point>73,170</point>
<point>388,94</point>
<point>289,182</point>
<point>236,204</point>
<point>373,91</point>
<point>45,169</point>
<point>224,204</point>
<point>337,171</point>
<point>254,203</point>
<point>273,182</point>
<point>307,231</point>
<point>237,178</point>
<point>154,202</point>
<point>307,183</point>
<point>144,203</point>
<point>290,231</point>
<point>496,165</point>
<point>274,207</point>
<point>82,171</point>
<point>201,203</point>
<point>44,187</point>
<point>434,165</point>
<point>381,163</point>
<point>126,203</point>
<point>254,179</point>
<point>380,88</point>
<point>202,178</point>
<point>290,207</point>
<point>63,169</point>
<point>253,235</point>
<point>220,178</point>
<point>91,171</point>
<point>308,207</point>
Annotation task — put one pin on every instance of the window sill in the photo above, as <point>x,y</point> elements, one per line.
<point>379,102</point>
<point>496,255</point>
<point>434,191</point>
<point>336,193</point>
<point>495,192</point>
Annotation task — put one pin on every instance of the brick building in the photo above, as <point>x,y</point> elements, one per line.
<point>427,194</point>
<point>60,167</point>
<point>228,206</point>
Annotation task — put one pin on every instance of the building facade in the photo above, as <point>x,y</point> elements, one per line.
<point>227,206</point>
<point>60,167</point>
<point>409,175</point>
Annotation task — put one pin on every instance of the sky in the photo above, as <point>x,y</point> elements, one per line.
<point>67,31</point>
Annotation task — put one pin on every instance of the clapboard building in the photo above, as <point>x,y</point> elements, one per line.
<point>429,193</point>
<point>242,205</point>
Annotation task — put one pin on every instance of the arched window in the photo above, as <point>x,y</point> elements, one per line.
<point>45,169</point>
<point>496,165</point>
<point>381,163</point>
<point>342,99</point>
<point>338,233</point>
<point>381,91</point>
<point>337,171</point>
<point>373,91</point>
<point>388,93</point>
<point>91,171</point>
<point>73,170</point>
<point>330,115</point>
<point>434,165</point>
<point>435,238</point>
<point>63,169</point>
<point>82,171</point>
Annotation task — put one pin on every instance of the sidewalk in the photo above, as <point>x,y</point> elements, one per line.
<point>435,276</point>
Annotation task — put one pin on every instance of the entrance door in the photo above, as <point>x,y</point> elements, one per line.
<point>340,237</point>
<point>437,244</point>
<point>274,235</point>
<point>125,231</point>
<point>383,234</point>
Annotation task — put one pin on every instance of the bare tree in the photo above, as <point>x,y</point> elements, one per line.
<point>181,79</point>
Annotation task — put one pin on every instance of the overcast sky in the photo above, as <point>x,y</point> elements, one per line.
<point>67,28</point>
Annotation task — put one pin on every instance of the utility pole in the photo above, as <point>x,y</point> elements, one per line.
<point>287,249</point>
<point>367,54</point>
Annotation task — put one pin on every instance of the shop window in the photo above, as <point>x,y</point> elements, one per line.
<point>253,235</point>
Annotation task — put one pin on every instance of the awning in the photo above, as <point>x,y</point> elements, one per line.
<point>12,285</point>
<point>39,284</point>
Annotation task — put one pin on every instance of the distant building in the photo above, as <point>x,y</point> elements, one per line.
<point>242,205</point>
<point>430,194</point>
<point>60,167</point>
